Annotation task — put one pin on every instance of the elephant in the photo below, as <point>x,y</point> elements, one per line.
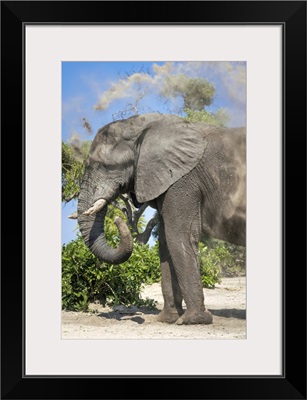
<point>193,174</point>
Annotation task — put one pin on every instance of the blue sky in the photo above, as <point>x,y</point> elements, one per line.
<point>97,91</point>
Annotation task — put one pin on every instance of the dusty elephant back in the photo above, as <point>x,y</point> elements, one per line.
<point>222,177</point>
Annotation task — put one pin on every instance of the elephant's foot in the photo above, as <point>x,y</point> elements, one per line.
<point>169,316</point>
<point>195,317</point>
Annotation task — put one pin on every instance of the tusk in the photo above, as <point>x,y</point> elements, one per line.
<point>98,205</point>
<point>73,216</point>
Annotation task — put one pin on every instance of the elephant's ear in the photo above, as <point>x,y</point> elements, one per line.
<point>168,149</point>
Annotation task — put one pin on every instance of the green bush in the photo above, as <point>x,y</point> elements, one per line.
<point>217,259</point>
<point>85,279</point>
<point>73,162</point>
<point>220,118</point>
<point>209,266</point>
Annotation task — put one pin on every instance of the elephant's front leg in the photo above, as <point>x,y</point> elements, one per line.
<point>184,253</point>
<point>172,296</point>
<point>182,223</point>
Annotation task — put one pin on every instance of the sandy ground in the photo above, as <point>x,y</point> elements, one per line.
<point>227,302</point>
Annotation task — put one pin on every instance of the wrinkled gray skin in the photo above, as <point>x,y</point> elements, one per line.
<point>193,174</point>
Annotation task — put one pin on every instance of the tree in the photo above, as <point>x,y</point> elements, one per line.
<point>73,162</point>
<point>220,118</point>
<point>193,94</point>
<point>196,92</point>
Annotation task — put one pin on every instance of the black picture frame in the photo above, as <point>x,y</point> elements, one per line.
<point>292,383</point>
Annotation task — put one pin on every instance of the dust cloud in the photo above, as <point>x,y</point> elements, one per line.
<point>171,77</point>
<point>75,141</point>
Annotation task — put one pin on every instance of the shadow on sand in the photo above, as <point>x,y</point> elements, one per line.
<point>135,317</point>
<point>229,313</point>
<point>131,316</point>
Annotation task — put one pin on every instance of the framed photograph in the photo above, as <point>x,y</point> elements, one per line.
<point>70,68</point>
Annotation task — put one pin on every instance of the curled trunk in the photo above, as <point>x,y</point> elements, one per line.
<point>92,230</point>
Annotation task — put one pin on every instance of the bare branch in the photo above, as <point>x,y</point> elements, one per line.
<point>129,212</point>
<point>136,216</point>
<point>121,208</point>
<point>143,237</point>
<point>69,198</point>
<point>133,216</point>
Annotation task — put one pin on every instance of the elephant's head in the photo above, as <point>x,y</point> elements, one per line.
<point>144,154</point>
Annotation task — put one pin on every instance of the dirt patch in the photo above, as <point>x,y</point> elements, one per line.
<point>227,302</point>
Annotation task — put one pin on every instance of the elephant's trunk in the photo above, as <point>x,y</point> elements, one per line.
<point>92,230</point>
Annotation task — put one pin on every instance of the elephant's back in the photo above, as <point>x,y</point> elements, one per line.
<point>221,174</point>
